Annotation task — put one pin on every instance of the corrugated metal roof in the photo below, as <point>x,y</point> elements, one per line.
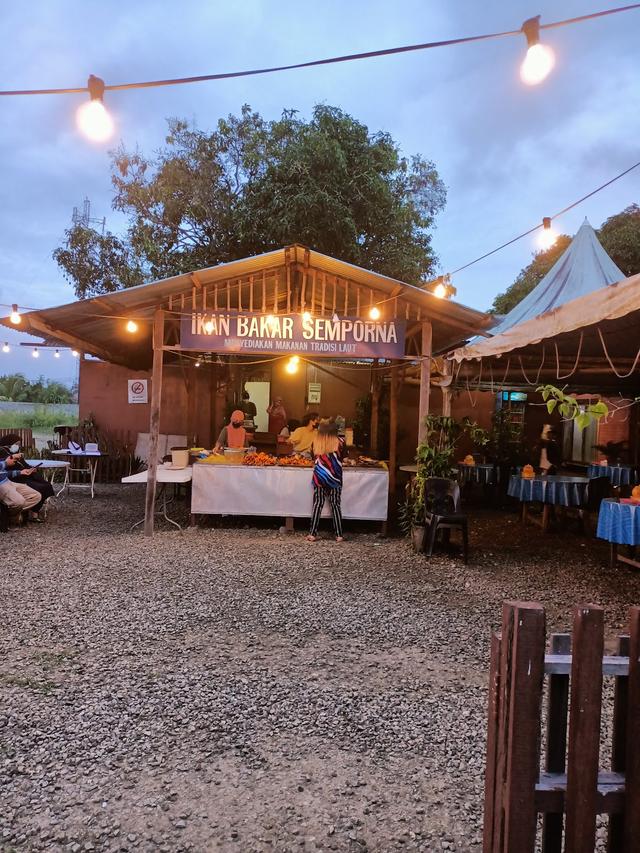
<point>95,325</point>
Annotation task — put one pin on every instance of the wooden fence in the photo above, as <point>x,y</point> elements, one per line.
<point>571,788</point>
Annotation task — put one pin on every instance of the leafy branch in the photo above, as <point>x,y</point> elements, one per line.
<point>570,408</point>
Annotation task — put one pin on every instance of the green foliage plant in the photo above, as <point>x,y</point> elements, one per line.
<point>570,408</point>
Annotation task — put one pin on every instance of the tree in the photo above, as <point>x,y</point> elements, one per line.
<point>620,238</point>
<point>250,186</point>
<point>17,389</point>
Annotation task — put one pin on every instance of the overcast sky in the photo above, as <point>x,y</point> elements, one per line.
<point>509,155</point>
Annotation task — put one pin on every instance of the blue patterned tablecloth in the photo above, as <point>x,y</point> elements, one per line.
<point>478,473</point>
<point>620,475</point>
<point>559,489</point>
<point>619,523</point>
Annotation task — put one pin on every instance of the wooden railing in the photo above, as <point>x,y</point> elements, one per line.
<point>572,787</point>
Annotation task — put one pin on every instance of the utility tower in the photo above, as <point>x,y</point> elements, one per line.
<point>85,219</point>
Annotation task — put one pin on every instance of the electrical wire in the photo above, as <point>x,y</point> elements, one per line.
<point>350,57</point>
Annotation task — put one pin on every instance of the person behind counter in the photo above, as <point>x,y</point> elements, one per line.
<point>250,410</point>
<point>550,454</point>
<point>277,416</point>
<point>328,452</point>
<point>302,437</point>
<point>233,434</point>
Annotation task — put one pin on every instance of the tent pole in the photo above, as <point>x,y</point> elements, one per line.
<point>425,379</point>
<point>154,419</point>
<point>394,381</point>
<point>446,389</point>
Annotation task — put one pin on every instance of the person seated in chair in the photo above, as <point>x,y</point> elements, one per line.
<point>17,496</point>
<point>20,473</point>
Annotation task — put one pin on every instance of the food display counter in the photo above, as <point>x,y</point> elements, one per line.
<point>285,491</point>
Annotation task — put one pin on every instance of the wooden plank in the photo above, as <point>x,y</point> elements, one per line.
<point>584,728</point>
<point>561,665</point>
<point>632,758</point>
<point>425,379</point>
<point>324,292</point>
<point>288,288</point>
<point>615,837</point>
<point>552,787</point>
<point>154,420</point>
<point>335,296</point>
<point>215,297</point>
<point>276,287</point>
<point>557,717</point>
<point>493,714</point>
<point>346,297</point>
<point>264,292</point>
<point>358,302</point>
<point>303,291</point>
<point>522,669</point>
<point>228,296</point>
<point>251,293</point>
<point>239,294</point>
<point>313,291</point>
<point>376,393</point>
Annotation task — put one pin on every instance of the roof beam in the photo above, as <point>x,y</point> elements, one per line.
<point>77,343</point>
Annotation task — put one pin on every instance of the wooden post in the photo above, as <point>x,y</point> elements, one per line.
<point>154,419</point>
<point>632,759</point>
<point>615,839</point>
<point>557,717</point>
<point>446,389</point>
<point>584,729</point>
<point>192,396</point>
<point>425,379</point>
<point>376,391</point>
<point>393,426</point>
<point>492,743</point>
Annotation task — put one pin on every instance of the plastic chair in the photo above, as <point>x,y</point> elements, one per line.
<point>442,498</point>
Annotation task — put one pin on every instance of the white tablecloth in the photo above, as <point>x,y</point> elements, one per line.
<point>242,490</point>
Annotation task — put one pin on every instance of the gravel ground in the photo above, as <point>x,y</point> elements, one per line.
<point>242,690</point>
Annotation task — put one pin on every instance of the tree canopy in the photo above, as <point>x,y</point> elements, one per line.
<point>620,238</point>
<point>251,186</point>
<point>16,388</point>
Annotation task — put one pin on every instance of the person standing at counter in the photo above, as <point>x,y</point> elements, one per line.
<point>328,452</point>
<point>233,434</point>
<point>302,437</point>
<point>249,409</point>
<point>277,416</point>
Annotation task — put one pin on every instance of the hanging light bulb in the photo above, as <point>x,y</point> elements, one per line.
<point>208,327</point>
<point>92,116</point>
<point>548,236</point>
<point>132,326</point>
<point>292,365</point>
<point>306,316</point>
<point>440,291</point>
<point>271,319</point>
<point>56,354</point>
<point>374,312</point>
<point>295,359</point>
<point>15,318</point>
<point>197,364</point>
<point>6,347</point>
<point>35,353</point>
<point>75,353</point>
<point>540,59</point>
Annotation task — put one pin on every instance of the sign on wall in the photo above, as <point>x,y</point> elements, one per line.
<point>248,334</point>
<point>314,393</point>
<point>138,391</point>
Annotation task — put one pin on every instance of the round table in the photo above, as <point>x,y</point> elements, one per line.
<point>550,490</point>
<point>620,475</point>
<point>619,524</point>
<point>49,466</point>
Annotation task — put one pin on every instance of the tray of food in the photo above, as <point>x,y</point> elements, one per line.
<point>259,460</point>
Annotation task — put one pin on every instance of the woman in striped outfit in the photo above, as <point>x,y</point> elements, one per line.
<point>328,452</point>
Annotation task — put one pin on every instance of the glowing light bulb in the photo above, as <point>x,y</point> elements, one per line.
<point>92,118</point>
<point>548,236</point>
<point>132,326</point>
<point>540,59</point>
<point>440,291</point>
<point>292,366</point>
<point>75,353</point>
<point>6,347</point>
<point>15,318</point>
<point>306,316</point>
<point>271,319</point>
<point>295,359</point>
<point>374,313</point>
<point>35,353</point>
<point>208,327</point>
<point>56,354</point>
<point>197,364</point>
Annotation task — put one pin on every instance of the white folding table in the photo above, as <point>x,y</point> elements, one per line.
<point>165,477</point>
<point>90,469</point>
<point>49,466</point>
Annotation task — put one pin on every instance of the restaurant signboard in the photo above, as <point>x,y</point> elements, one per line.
<point>292,334</point>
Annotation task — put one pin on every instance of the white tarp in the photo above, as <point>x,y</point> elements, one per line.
<point>274,491</point>
<point>607,303</point>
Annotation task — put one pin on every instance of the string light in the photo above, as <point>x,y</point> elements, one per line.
<point>6,347</point>
<point>540,59</point>
<point>92,117</point>
<point>132,326</point>
<point>440,291</point>
<point>307,316</point>
<point>374,312</point>
<point>56,354</point>
<point>35,353</point>
<point>295,359</point>
<point>197,364</point>
<point>75,353</point>
<point>208,327</point>
<point>292,365</point>
<point>15,318</point>
<point>548,236</point>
